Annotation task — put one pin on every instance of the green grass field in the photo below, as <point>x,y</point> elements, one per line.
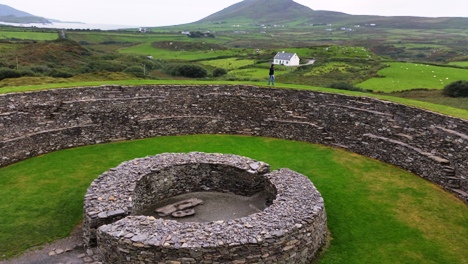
<point>406,76</point>
<point>337,52</point>
<point>165,54</point>
<point>252,73</point>
<point>260,72</point>
<point>376,213</point>
<point>460,63</point>
<point>434,97</point>
<point>331,67</point>
<point>28,35</point>
<point>122,37</point>
<point>229,63</point>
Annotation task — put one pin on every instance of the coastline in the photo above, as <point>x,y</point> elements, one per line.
<point>71,25</point>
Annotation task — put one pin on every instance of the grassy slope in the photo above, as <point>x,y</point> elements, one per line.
<point>377,213</point>
<point>434,97</point>
<point>164,54</point>
<point>405,76</point>
<point>460,63</point>
<point>229,63</point>
<point>27,35</point>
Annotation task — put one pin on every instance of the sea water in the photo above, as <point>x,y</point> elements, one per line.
<point>71,25</point>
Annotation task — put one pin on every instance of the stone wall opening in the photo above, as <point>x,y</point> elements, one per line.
<point>290,228</point>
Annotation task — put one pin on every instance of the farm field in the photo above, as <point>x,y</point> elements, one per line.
<point>113,55</point>
<point>27,35</point>
<point>399,76</point>
<point>229,63</point>
<point>433,97</point>
<point>377,213</point>
<point>260,74</point>
<point>337,52</point>
<point>256,74</point>
<point>245,68</point>
<point>121,37</point>
<point>147,49</point>
<point>460,63</point>
<point>332,67</point>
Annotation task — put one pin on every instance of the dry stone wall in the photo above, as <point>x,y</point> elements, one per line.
<point>135,185</point>
<point>291,229</point>
<point>431,145</point>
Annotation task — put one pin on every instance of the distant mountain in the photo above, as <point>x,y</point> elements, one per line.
<point>290,12</point>
<point>11,15</point>
<point>262,11</point>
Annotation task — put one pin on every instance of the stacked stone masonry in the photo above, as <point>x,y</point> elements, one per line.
<point>428,144</point>
<point>136,185</point>
<point>291,229</point>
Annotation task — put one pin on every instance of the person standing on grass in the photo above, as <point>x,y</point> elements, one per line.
<point>271,79</point>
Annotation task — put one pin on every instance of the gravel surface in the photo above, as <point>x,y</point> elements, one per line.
<point>69,250</point>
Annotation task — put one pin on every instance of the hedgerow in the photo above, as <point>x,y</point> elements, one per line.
<point>456,89</point>
<point>187,70</point>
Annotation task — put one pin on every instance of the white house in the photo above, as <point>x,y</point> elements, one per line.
<point>287,59</point>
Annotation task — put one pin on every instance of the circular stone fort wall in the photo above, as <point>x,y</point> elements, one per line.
<point>431,145</point>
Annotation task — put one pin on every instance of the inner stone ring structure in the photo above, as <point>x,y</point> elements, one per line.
<point>291,228</point>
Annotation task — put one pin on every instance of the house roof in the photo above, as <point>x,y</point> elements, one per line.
<point>284,56</point>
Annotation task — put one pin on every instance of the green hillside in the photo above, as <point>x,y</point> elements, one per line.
<point>288,12</point>
<point>11,15</point>
<point>399,76</point>
<point>262,11</point>
<point>24,20</point>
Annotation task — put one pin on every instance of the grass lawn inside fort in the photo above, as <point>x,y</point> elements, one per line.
<point>377,213</point>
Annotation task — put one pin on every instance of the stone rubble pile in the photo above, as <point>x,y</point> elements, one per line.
<point>180,209</point>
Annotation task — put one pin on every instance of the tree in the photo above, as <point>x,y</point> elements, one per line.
<point>198,34</point>
<point>218,72</point>
<point>11,73</point>
<point>60,74</point>
<point>456,89</point>
<point>8,73</point>
<point>188,70</point>
<point>137,71</point>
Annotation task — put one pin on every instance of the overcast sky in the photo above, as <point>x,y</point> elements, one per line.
<point>172,12</point>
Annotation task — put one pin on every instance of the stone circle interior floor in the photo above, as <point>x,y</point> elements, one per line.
<point>216,206</point>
